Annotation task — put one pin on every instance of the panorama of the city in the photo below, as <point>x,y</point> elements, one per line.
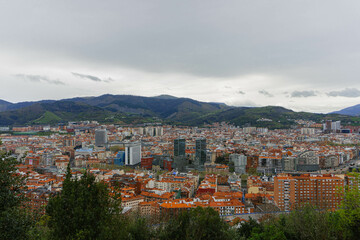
<point>159,171</point>
<point>179,120</point>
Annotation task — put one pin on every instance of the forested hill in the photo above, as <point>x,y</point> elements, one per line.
<point>126,109</point>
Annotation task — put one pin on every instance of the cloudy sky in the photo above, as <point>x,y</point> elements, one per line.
<point>303,55</point>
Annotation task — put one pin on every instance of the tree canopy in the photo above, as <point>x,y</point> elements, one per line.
<point>15,221</point>
<point>82,210</point>
<point>198,223</point>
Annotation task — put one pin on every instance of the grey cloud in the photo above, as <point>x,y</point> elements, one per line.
<point>39,78</point>
<point>90,77</point>
<point>241,92</point>
<point>297,94</point>
<point>230,42</point>
<point>347,92</point>
<point>266,93</point>
<point>191,40</point>
<point>108,80</point>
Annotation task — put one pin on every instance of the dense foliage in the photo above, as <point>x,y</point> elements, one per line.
<point>15,222</point>
<point>199,223</point>
<point>83,210</point>
<point>306,223</point>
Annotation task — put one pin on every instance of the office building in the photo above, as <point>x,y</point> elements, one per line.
<point>179,155</point>
<point>200,151</point>
<point>132,153</point>
<point>330,126</point>
<point>100,137</point>
<point>120,158</point>
<point>179,147</point>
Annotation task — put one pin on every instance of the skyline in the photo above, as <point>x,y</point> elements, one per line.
<point>301,56</point>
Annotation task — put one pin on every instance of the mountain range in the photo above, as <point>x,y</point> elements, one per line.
<point>129,109</point>
<point>351,111</point>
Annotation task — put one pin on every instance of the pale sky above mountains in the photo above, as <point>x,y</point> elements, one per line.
<point>302,55</point>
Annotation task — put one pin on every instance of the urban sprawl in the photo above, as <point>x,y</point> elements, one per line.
<point>239,172</point>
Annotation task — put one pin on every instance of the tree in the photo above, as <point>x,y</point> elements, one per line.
<point>116,148</point>
<point>11,188</point>
<point>305,223</point>
<point>83,210</point>
<point>220,159</point>
<point>349,212</point>
<point>136,228</point>
<point>270,232</point>
<point>199,223</point>
<point>15,221</point>
<point>231,166</point>
<point>252,171</point>
<point>247,228</point>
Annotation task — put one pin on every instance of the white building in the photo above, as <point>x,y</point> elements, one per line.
<point>132,153</point>
<point>308,131</point>
<point>262,130</point>
<point>240,161</point>
<point>249,129</point>
<point>153,131</point>
<point>335,126</point>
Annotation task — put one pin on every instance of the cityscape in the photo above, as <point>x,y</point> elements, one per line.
<point>179,120</point>
<point>241,172</point>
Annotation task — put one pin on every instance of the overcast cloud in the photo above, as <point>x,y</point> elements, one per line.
<point>266,93</point>
<point>296,94</point>
<point>188,48</point>
<point>347,92</point>
<point>92,78</point>
<point>37,78</point>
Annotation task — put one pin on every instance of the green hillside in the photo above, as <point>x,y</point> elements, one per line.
<point>127,109</point>
<point>47,117</point>
<point>270,116</point>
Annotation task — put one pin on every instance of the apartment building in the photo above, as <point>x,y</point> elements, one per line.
<point>322,191</point>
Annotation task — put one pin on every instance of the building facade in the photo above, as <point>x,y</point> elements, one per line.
<point>322,191</point>
<point>132,153</point>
